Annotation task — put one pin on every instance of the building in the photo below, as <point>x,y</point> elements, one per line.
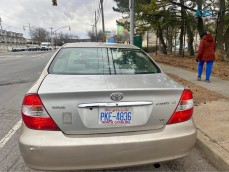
<point>149,39</point>
<point>120,28</point>
<point>123,35</point>
<point>9,39</point>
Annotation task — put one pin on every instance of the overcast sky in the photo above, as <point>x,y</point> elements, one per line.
<point>79,14</point>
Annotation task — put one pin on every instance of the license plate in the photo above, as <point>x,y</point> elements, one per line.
<point>115,116</point>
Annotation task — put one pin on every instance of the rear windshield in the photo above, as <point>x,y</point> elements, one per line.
<point>102,61</point>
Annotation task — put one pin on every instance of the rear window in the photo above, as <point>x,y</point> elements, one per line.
<point>102,61</point>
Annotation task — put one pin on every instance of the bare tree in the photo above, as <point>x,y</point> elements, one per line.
<point>92,36</point>
<point>62,38</point>
<point>40,34</point>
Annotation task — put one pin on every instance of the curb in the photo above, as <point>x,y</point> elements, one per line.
<point>216,154</point>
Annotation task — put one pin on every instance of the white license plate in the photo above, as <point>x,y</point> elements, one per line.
<point>115,116</point>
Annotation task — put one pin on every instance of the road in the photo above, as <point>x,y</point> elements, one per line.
<point>18,71</point>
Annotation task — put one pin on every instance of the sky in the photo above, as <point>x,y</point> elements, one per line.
<point>79,14</point>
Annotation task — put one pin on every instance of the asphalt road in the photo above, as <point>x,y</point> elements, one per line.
<point>18,71</point>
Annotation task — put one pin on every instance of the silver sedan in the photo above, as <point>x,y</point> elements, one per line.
<point>100,105</point>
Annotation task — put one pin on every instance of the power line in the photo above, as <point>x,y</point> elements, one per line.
<point>99,13</point>
<point>12,18</point>
<point>10,26</point>
<point>103,24</point>
<point>25,22</point>
<point>18,21</point>
<point>105,3</point>
<point>95,5</point>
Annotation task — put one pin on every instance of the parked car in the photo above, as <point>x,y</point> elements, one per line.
<point>16,49</point>
<point>24,48</point>
<point>34,48</point>
<point>100,105</point>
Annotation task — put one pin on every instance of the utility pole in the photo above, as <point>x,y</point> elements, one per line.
<point>131,5</point>
<point>96,34</point>
<point>30,33</point>
<point>5,37</point>
<point>93,32</point>
<point>52,44</point>
<point>101,4</point>
<point>1,23</point>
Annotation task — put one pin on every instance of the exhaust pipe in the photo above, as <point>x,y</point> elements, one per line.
<point>157,165</point>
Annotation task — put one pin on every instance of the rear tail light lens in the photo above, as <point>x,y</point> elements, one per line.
<point>184,109</point>
<point>35,115</point>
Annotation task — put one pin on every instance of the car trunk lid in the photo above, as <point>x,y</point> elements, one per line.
<point>81,104</point>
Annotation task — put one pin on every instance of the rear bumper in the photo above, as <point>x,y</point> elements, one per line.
<point>52,150</point>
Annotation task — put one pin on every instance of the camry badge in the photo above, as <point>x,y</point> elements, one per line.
<point>116,96</point>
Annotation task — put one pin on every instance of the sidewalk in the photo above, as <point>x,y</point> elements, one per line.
<point>211,119</point>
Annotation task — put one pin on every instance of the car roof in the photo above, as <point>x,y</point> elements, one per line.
<point>98,45</point>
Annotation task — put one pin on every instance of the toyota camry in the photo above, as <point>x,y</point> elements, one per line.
<point>99,105</point>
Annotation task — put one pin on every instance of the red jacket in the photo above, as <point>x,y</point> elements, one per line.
<point>206,50</point>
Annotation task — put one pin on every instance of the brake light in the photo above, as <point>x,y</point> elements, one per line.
<point>184,109</point>
<point>35,115</point>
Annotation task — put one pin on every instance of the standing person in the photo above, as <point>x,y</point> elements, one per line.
<point>206,53</point>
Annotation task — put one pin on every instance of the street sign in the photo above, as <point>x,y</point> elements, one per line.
<point>211,14</point>
<point>203,13</point>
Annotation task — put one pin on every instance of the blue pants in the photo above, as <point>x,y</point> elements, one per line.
<point>208,69</point>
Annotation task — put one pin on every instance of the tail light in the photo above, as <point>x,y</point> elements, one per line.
<point>35,115</point>
<point>184,109</point>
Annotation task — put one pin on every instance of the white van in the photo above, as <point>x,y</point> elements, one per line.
<point>45,46</point>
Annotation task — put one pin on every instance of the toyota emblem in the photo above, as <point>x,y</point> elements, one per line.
<point>116,96</point>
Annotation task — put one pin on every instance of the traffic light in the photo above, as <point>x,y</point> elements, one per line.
<point>54,2</point>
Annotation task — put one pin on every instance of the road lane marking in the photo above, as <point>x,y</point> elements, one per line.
<point>7,137</point>
<point>10,58</point>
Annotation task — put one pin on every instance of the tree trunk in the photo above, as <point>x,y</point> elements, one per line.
<point>200,23</point>
<point>190,37</point>
<point>226,36</point>
<point>220,30</point>
<point>181,40</point>
<point>182,27</point>
<point>160,35</point>
<point>170,40</point>
<point>190,41</point>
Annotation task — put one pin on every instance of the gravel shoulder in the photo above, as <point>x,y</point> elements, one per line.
<point>201,95</point>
